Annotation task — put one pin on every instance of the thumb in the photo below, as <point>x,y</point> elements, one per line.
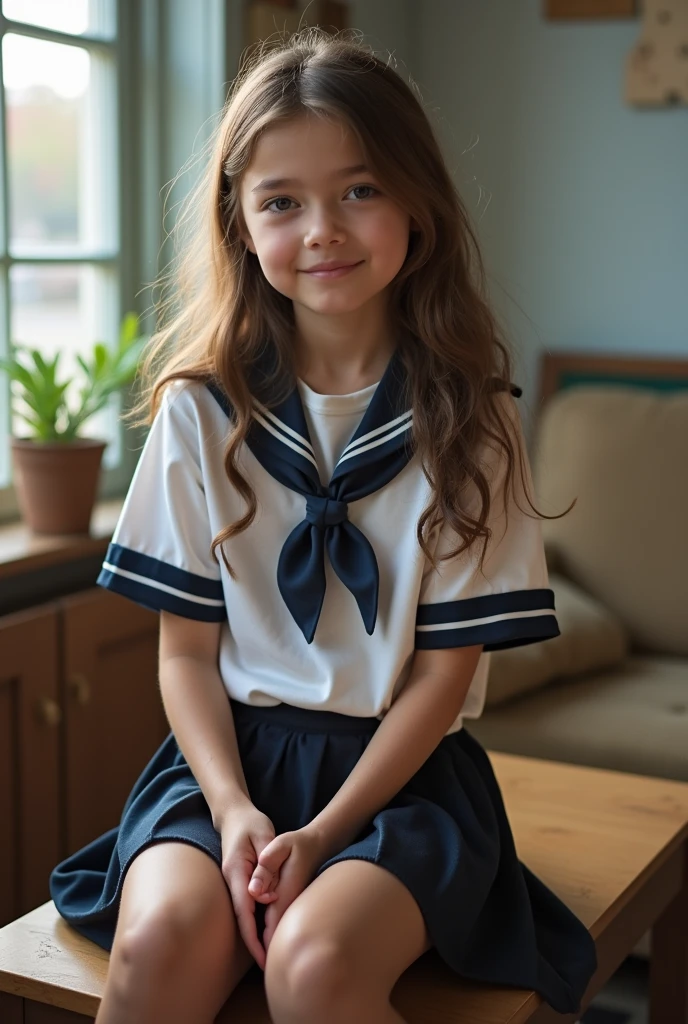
<point>266,873</point>
<point>273,856</point>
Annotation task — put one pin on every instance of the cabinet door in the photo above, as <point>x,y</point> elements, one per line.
<point>29,758</point>
<point>114,716</point>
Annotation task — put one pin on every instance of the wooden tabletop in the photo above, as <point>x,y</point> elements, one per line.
<point>595,837</point>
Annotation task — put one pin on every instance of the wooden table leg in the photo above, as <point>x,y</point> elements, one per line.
<point>11,1009</point>
<point>15,1010</point>
<point>669,960</point>
<point>41,1013</point>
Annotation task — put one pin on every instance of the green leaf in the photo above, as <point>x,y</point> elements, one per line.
<point>17,372</point>
<point>33,421</point>
<point>105,370</point>
<point>46,370</point>
<point>83,364</point>
<point>101,356</point>
<point>129,330</point>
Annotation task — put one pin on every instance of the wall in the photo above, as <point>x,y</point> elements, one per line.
<point>581,202</point>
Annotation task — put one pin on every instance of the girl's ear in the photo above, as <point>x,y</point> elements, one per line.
<point>247,240</point>
<point>244,235</point>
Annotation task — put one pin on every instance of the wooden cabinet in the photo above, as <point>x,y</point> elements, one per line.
<point>80,716</point>
<point>114,717</point>
<point>30,715</point>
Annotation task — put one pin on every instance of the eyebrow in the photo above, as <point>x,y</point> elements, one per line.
<point>268,184</point>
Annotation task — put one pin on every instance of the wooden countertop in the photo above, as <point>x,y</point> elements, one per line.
<point>22,551</point>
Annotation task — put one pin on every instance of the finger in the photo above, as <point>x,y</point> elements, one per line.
<point>273,916</point>
<point>246,922</point>
<point>270,861</point>
<point>244,909</point>
<point>267,897</point>
<point>289,888</point>
<point>274,913</point>
<point>273,856</point>
<point>260,880</point>
<point>269,893</point>
<point>272,885</point>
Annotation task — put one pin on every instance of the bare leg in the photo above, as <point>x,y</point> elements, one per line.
<point>177,953</point>
<point>342,945</point>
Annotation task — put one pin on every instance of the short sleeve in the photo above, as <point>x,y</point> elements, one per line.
<point>159,555</point>
<point>507,604</point>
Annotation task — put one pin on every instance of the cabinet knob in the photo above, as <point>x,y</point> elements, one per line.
<point>80,688</point>
<point>49,711</point>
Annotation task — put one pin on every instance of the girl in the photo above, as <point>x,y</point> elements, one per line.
<point>327,515</point>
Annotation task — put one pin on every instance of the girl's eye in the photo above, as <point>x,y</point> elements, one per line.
<point>285,199</point>
<point>280,199</point>
<point>369,187</point>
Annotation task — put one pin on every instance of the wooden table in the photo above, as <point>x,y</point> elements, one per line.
<point>614,846</point>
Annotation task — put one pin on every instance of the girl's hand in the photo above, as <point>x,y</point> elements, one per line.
<point>285,867</point>
<point>245,833</point>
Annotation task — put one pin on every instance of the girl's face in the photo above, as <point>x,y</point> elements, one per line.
<point>308,199</point>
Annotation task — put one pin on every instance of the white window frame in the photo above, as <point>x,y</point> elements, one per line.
<point>117,159</point>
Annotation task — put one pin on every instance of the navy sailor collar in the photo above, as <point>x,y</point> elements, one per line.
<point>281,434</point>
<point>380,448</point>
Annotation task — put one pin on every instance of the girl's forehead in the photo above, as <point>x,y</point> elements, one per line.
<point>304,148</point>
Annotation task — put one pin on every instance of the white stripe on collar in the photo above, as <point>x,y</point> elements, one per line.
<point>285,440</point>
<point>374,444</point>
<point>283,426</point>
<point>378,430</point>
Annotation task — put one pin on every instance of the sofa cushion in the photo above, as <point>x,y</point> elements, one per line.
<point>591,638</point>
<point>623,452</point>
<point>633,718</point>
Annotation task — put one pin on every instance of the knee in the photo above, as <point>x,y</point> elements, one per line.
<point>305,974</point>
<point>154,938</point>
<point>161,939</point>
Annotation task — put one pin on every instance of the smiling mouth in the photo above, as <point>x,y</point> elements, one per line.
<point>339,271</point>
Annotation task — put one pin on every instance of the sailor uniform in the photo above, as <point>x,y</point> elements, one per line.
<point>333,592</point>
<point>332,596</point>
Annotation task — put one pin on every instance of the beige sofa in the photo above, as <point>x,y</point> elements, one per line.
<point>612,690</point>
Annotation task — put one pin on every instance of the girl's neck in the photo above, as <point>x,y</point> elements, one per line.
<point>344,353</point>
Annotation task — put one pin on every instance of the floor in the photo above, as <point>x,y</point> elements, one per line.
<point>624,999</point>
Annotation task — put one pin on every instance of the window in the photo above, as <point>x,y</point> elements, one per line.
<point>60,200</point>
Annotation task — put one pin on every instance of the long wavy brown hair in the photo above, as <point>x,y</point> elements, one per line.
<point>218,311</point>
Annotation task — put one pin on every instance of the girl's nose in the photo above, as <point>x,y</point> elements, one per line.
<point>323,228</point>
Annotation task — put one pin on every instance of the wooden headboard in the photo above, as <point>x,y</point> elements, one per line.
<point>559,370</point>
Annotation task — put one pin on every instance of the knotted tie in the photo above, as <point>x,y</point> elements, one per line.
<point>379,450</point>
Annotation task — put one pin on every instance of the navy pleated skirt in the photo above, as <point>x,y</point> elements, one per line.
<point>445,835</point>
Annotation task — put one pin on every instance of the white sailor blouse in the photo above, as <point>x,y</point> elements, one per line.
<point>333,593</point>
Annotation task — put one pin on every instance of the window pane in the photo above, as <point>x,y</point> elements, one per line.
<point>67,309</point>
<point>93,17</point>
<point>60,142</point>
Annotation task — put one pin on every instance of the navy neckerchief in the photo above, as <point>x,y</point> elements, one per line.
<point>379,449</point>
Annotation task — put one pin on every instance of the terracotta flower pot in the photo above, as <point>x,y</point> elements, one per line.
<point>56,482</point>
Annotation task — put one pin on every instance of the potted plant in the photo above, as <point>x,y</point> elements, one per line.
<point>56,471</point>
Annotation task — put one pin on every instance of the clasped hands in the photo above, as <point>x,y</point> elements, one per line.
<point>273,877</point>
<point>285,868</point>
